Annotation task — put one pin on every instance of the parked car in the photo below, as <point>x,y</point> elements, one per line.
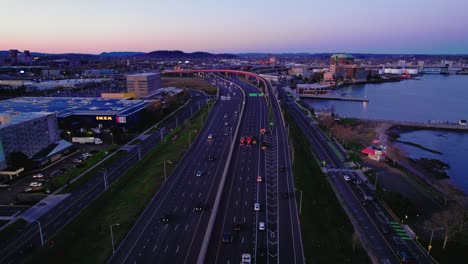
<point>77,160</point>
<point>35,184</point>
<point>38,176</point>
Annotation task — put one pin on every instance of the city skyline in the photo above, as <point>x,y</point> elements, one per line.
<point>399,27</point>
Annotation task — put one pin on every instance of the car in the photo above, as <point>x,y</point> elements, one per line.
<point>28,190</point>
<point>347,178</point>
<point>35,184</point>
<point>226,133</point>
<point>47,191</point>
<point>227,238</point>
<point>42,180</point>
<point>259,178</point>
<point>237,227</point>
<point>357,182</point>
<point>166,218</point>
<point>385,229</point>
<point>261,226</point>
<point>211,158</point>
<point>368,197</point>
<point>87,154</point>
<point>38,176</point>
<point>210,136</point>
<point>199,207</point>
<point>364,203</point>
<point>405,257</point>
<point>226,123</point>
<point>199,173</point>
<point>245,259</point>
<point>77,160</point>
<point>225,115</point>
<point>257,207</point>
<point>282,168</point>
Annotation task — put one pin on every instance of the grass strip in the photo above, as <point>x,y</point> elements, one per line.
<point>87,238</point>
<point>328,235</point>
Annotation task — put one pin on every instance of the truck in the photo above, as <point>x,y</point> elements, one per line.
<point>84,140</point>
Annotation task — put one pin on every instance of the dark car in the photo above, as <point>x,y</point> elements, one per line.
<point>166,218</point>
<point>199,207</point>
<point>211,158</point>
<point>364,203</point>
<point>238,227</point>
<point>385,229</point>
<point>227,238</point>
<point>282,168</point>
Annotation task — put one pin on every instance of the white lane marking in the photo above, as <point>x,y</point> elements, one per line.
<point>237,202</point>
<point>186,227</point>
<point>177,226</point>
<point>155,247</point>
<point>166,249</point>
<point>242,239</point>
<point>177,250</point>
<point>165,227</point>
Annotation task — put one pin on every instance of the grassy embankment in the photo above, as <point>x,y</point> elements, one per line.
<point>192,83</point>
<point>87,239</point>
<point>328,235</point>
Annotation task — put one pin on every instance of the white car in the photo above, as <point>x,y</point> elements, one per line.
<point>77,161</point>
<point>35,184</point>
<point>261,226</point>
<point>257,207</point>
<point>226,123</point>
<point>87,154</point>
<point>347,178</point>
<point>210,136</point>
<point>38,176</point>
<point>246,259</point>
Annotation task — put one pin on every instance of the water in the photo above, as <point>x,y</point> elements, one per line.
<point>433,97</point>
<point>454,148</point>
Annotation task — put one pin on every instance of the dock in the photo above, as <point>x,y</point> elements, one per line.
<point>332,97</point>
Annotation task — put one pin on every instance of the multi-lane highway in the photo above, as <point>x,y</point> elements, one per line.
<point>172,227</point>
<point>258,176</point>
<point>55,219</point>
<point>382,234</point>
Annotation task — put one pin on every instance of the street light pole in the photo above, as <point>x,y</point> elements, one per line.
<point>164,170</point>
<point>430,241</point>
<point>69,135</point>
<point>40,232</point>
<point>112,236</point>
<point>300,201</point>
<point>112,135</point>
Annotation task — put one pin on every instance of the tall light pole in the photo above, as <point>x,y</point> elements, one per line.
<point>112,136</point>
<point>429,247</point>
<point>112,236</point>
<point>69,135</point>
<point>165,176</point>
<point>300,201</point>
<point>40,232</point>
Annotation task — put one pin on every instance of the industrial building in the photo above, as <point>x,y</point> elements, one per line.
<point>29,133</point>
<point>143,84</point>
<point>81,112</point>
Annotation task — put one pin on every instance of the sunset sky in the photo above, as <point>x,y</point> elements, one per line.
<point>370,26</point>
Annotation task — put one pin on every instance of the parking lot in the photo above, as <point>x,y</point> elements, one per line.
<point>29,185</point>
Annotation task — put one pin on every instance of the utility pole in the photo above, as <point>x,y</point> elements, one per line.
<point>112,236</point>
<point>300,201</point>
<point>429,247</point>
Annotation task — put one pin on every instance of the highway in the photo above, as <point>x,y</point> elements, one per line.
<point>371,218</point>
<point>55,219</point>
<point>178,240</point>
<point>280,242</point>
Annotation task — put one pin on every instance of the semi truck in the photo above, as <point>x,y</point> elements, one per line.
<point>84,140</point>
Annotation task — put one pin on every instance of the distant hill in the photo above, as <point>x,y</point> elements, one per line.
<point>180,55</point>
<point>120,54</point>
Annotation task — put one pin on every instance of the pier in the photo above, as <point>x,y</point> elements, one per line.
<point>333,97</point>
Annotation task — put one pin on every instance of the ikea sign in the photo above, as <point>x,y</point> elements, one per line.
<point>104,118</point>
